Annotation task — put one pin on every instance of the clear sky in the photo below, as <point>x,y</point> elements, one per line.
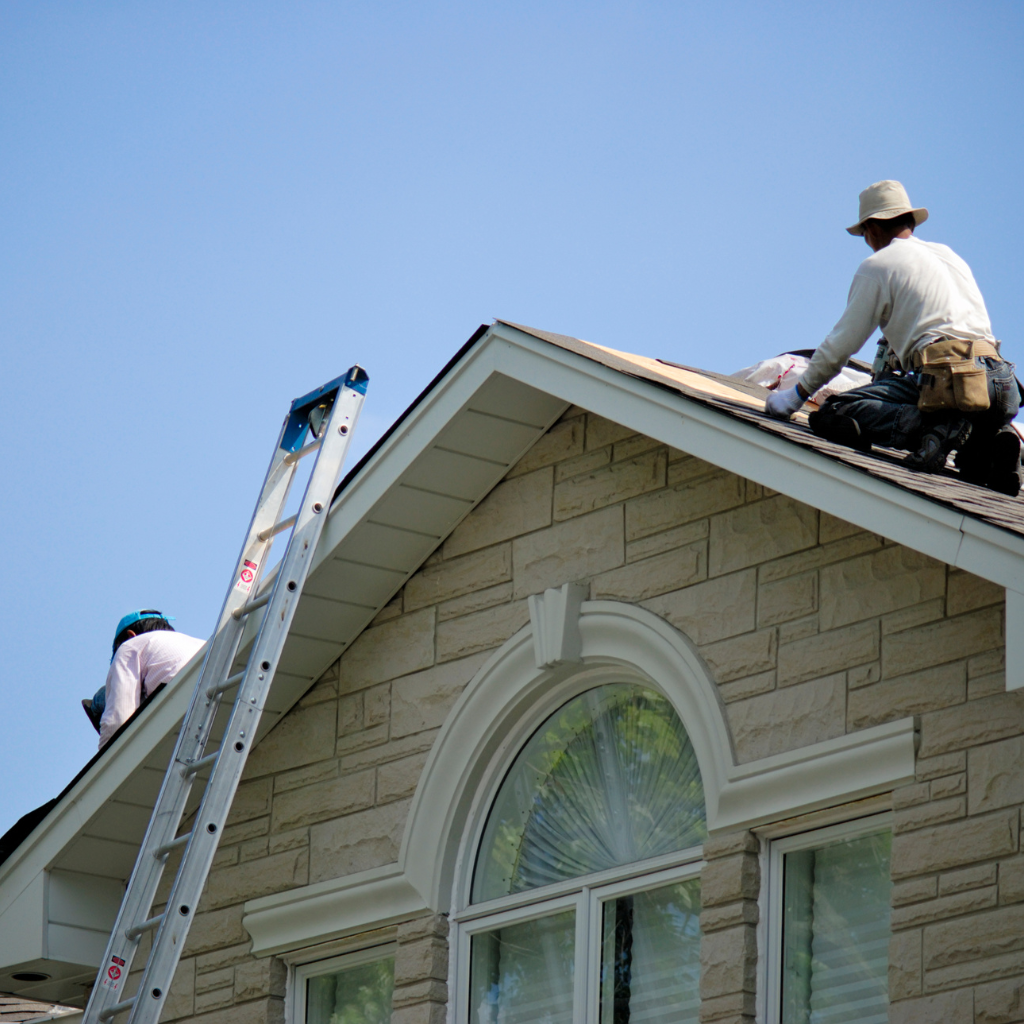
<point>210,208</point>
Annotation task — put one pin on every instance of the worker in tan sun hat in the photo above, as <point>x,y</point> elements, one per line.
<point>939,383</point>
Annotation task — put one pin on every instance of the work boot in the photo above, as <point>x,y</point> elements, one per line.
<point>992,460</point>
<point>936,443</point>
<point>1005,471</point>
<point>828,422</point>
<point>974,460</point>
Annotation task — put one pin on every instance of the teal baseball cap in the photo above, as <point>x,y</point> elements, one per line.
<point>131,618</point>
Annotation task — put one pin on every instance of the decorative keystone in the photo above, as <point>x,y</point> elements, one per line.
<point>555,616</point>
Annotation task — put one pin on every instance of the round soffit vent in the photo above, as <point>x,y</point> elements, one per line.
<point>30,976</point>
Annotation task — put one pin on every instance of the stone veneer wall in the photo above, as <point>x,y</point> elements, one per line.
<point>811,627</point>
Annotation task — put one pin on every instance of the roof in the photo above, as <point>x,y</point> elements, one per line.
<point>745,401</point>
<point>489,405</point>
<point>15,1010</point>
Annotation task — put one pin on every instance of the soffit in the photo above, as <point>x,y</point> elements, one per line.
<point>440,462</point>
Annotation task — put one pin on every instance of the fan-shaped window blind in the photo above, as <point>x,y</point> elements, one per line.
<point>609,779</point>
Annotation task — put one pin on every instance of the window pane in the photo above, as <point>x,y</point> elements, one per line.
<point>835,942</point>
<point>358,995</point>
<point>609,779</point>
<point>650,956</point>
<point>523,972</point>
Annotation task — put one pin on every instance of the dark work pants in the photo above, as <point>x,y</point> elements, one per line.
<point>887,413</point>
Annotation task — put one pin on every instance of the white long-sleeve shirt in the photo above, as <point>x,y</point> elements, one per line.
<point>915,292</point>
<point>140,665</point>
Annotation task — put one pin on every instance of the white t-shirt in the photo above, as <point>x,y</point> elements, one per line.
<point>141,664</point>
<point>916,292</point>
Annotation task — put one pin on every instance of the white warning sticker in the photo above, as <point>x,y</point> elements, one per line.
<point>246,576</point>
<point>114,974</point>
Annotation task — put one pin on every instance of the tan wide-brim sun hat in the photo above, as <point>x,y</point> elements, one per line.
<point>885,200</point>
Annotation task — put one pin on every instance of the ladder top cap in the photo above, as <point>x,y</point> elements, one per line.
<point>355,378</point>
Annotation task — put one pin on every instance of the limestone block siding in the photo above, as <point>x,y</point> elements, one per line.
<point>811,628</point>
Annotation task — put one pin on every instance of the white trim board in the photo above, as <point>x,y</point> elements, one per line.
<point>507,698</point>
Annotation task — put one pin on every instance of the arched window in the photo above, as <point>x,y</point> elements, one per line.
<point>585,899</point>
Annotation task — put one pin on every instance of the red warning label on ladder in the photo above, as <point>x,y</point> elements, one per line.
<point>246,576</point>
<point>112,977</point>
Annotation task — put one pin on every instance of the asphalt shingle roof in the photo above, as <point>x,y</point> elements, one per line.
<point>15,1009</point>
<point>745,401</point>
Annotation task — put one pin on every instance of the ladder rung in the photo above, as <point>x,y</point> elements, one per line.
<point>251,606</point>
<point>290,460</point>
<point>212,691</point>
<point>110,1011</point>
<point>162,851</point>
<point>146,926</point>
<point>195,766</point>
<point>273,531</point>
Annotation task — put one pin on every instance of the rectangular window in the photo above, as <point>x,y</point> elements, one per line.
<point>626,951</point>
<point>650,956</point>
<point>833,960</point>
<point>524,972</point>
<point>353,989</point>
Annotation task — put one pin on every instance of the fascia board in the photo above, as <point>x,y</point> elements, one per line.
<point>1014,633</point>
<point>991,553</point>
<point>100,784</point>
<point>23,924</point>
<point>842,491</point>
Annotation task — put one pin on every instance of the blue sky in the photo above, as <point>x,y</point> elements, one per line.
<point>210,208</point>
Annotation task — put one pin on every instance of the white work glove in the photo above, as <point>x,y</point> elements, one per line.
<point>782,404</point>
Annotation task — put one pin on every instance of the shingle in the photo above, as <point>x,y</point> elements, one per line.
<point>15,1009</point>
<point>744,404</point>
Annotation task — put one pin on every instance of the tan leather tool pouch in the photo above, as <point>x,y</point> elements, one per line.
<point>951,378</point>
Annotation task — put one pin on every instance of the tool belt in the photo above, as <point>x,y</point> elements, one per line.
<point>952,376</point>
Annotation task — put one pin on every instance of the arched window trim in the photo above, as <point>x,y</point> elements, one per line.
<point>505,699</point>
<point>511,696</point>
<point>561,692</point>
<point>523,680</point>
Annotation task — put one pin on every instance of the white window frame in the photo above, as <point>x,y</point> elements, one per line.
<point>771,975</point>
<point>585,896</point>
<point>301,973</point>
<point>556,696</point>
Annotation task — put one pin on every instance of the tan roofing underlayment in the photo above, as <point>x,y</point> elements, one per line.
<point>882,463</point>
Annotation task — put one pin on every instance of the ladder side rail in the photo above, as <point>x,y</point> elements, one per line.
<point>188,886</point>
<point>224,645</point>
<point>191,741</point>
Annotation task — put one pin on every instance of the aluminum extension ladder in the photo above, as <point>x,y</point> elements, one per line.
<point>326,419</point>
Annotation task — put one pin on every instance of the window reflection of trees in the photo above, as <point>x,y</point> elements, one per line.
<point>609,779</point>
<point>650,956</point>
<point>357,995</point>
<point>836,931</point>
<point>524,972</point>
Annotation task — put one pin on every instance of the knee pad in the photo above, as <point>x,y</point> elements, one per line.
<point>833,424</point>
